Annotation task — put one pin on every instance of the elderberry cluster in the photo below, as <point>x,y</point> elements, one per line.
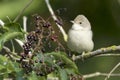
<point>31,39</point>
<point>44,70</point>
<point>39,41</point>
<point>28,67</point>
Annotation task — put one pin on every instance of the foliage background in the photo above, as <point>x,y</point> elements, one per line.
<point>104,16</point>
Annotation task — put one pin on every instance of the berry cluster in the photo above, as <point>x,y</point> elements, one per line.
<point>44,70</point>
<point>28,67</point>
<point>31,39</point>
<point>40,41</point>
<point>40,22</point>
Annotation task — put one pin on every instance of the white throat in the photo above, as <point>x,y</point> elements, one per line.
<point>76,26</point>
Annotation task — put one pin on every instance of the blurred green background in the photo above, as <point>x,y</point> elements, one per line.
<point>104,16</point>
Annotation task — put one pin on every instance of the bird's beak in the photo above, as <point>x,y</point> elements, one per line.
<point>72,21</point>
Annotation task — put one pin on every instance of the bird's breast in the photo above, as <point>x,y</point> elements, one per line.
<point>80,41</point>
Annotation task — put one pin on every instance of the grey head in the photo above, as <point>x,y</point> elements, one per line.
<point>83,21</point>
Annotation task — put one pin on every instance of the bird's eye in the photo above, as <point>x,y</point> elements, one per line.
<point>80,22</point>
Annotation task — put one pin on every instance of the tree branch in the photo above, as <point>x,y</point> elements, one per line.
<point>99,74</point>
<point>108,76</point>
<point>110,54</point>
<point>56,20</point>
<point>101,51</point>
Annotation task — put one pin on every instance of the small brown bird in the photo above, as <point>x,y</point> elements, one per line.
<point>80,35</point>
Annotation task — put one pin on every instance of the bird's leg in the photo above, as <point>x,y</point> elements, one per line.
<point>83,53</point>
<point>82,56</point>
<point>73,57</point>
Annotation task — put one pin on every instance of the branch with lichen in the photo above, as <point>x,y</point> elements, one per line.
<point>107,50</point>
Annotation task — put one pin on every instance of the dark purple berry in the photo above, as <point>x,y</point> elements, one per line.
<point>54,38</point>
<point>47,24</point>
<point>38,31</point>
<point>59,22</point>
<point>37,25</point>
<point>28,37</point>
<point>41,61</point>
<point>43,50</point>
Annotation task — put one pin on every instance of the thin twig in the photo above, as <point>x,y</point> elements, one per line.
<point>13,47</point>
<point>25,29</point>
<point>108,76</point>
<point>111,49</point>
<point>25,26</point>
<point>18,16</point>
<point>108,55</point>
<point>11,56</point>
<point>9,53</point>
<point>9,19</point>
<point>55,19</point>
<point>1,23</point>
<point>99,74</point>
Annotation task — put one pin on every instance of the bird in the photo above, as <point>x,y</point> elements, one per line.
<point>80,35</point>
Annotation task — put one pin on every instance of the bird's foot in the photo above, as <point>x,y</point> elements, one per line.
<point>73,57</point>
<point>83,53</point>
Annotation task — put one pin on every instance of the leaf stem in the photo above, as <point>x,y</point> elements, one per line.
<point>26,6</point>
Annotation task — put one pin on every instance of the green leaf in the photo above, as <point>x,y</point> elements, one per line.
<point>62,74</point>
<point>1,67</point>
<point>8,67</point>
<point>13,27</point>
<point>19,75</point>
<point>33,76</point>
<point>1,77</point>
<point>69,63</point>
<point>10,31</point>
